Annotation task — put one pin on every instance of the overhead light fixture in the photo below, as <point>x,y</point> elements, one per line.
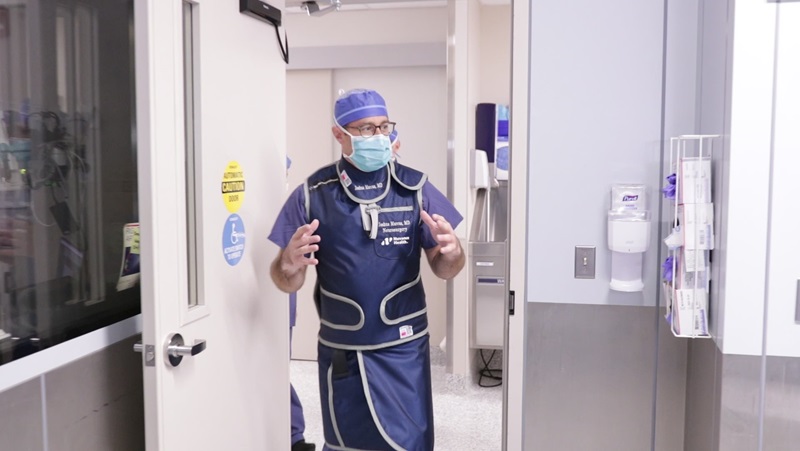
<point>312,7</point>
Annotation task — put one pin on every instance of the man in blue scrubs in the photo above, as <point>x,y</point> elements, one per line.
<point>363,222</point>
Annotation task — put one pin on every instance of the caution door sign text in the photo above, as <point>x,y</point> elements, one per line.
<point>233,187</point>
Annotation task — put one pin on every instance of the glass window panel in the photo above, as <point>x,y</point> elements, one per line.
<point>68,176</point>
<point>189,52</point>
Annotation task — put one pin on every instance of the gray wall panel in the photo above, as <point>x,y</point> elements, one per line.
<point>782,409</point>
<point>589,377</point>
<point>96,403</point>
<point>670,389</point>
<point>740,403</point>
<point>21,417</point>
<point>702,396</point>
<point>589,386</point>
<point>723,401</point>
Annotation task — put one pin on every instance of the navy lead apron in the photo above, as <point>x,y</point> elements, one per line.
<point>374,361</point>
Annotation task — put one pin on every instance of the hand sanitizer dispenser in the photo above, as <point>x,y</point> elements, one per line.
<point>628,236</point>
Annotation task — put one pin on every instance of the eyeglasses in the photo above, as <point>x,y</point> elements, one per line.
<point>368,130</point>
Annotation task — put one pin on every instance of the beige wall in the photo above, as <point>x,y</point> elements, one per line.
<point>368,27</point>
<point>309,146</point>
<point>495,48</point>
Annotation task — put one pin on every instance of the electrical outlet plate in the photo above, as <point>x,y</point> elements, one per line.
<point>585,262</point>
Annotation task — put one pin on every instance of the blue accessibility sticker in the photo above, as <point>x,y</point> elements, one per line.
<point>233,239</point>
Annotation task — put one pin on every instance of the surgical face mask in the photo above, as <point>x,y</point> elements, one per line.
<point>370,154</point>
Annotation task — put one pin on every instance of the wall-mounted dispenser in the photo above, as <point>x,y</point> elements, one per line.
<point>502,157</point>
<point>491,136</point>
<point>480,170</point>
<point>628,236</point>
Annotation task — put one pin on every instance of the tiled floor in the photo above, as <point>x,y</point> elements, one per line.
<point>466,418</point>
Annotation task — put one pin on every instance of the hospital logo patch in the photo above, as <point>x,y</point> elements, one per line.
<point>406,331</point>
<point>399,240</point>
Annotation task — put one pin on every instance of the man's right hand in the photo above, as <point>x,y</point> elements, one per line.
<point>303,242</point>
<point>288,270</point>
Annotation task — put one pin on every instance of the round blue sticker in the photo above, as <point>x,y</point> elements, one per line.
<point>233,239</point>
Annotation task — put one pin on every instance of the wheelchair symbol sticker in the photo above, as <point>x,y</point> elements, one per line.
<point>233,239</point>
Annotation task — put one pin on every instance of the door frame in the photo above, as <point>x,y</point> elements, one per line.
<point>516,267</point>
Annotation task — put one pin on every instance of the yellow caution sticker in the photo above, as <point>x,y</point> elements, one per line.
<point>233,187</point>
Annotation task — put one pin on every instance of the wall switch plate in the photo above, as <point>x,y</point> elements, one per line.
<point>584,262</point>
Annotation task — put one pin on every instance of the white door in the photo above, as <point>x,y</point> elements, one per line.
<point>210,122</point>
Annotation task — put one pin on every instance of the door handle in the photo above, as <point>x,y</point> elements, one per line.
<point>198,347</point>
<point>175,349</point>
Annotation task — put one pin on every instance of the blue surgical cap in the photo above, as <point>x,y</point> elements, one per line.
<point>358,104</point>
<point>393,136</point>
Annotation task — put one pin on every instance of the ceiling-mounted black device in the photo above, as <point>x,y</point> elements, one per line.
<point>261,10</point>
<point>266,12</point>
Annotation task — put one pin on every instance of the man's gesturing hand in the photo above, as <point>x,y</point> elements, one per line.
<point>443,233</point>
<point>303,242</point>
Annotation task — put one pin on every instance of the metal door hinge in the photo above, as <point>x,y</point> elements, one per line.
<point>511,303</point>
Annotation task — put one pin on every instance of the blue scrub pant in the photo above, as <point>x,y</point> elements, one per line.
<point>298,421</point>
